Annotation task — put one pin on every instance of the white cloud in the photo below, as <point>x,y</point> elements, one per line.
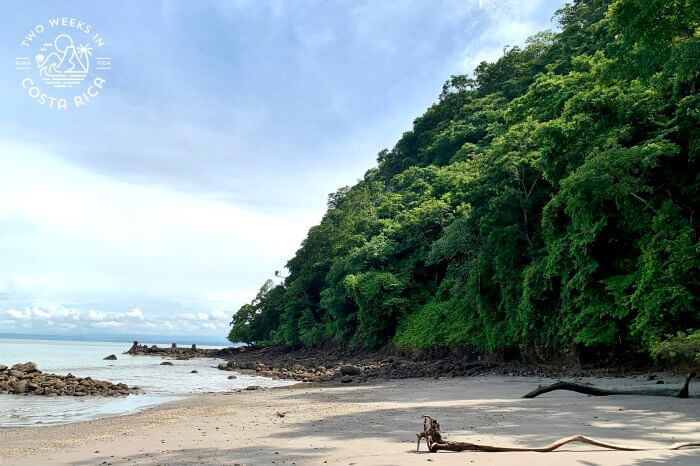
<point>75,235</point>
<point>512,22</point>
<point>133,321</point>
<point>219,315</point>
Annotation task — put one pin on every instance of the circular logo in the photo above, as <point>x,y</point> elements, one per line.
<point>65,63</point>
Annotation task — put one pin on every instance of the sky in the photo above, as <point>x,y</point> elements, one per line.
<point>162,204</point>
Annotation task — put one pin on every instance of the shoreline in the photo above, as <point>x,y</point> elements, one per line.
<point>371,423</point>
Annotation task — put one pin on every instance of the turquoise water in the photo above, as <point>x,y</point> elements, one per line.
<point>85,358</point>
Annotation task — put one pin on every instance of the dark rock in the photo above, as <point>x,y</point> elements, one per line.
<point>659,382</point>
<point>3,367</point>
<point>231,377</point>
<point>27,367</point>
<point>111,357</point>
<point>35,382</point>
<point>349,369</point>
<point>194,372</point>
<point>345,379</point>
<point>253,387</point>
<point>166,363</point>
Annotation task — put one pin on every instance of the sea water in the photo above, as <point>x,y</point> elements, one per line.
<point>85,359</point>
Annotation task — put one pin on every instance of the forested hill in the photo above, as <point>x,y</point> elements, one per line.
<point>549,204</point>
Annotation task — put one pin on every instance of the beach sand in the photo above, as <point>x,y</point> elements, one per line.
<point>372,424</point>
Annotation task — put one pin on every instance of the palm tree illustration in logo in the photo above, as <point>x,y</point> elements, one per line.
<point>64,65</point>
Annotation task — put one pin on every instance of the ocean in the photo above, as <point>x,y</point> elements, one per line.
<point>85,358</point>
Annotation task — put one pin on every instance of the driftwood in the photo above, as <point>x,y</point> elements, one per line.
<point>595,391</point>
<point>433,437</point>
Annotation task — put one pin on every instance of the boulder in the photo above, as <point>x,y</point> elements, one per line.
<point>253,387</point>
<point>3,367</point>
<point>194,372</point>
<point>27,367</point>
<point>166,363</point>
<point>231,377</point>
<point>345,379</point>
<point>111,357</point>
<point>349,369</point>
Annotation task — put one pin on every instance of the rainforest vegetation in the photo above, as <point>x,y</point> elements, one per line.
<point>547,203</point>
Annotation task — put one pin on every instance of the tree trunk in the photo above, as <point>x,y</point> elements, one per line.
<point>595,391</point>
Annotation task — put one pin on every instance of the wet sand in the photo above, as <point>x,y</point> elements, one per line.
<point>373,424</point>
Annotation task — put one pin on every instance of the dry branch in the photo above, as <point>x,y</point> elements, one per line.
<point>433,437</point>
<point>595,391</point>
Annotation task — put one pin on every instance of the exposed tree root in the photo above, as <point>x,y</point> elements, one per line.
<point>594,391</point>
<point>433,437</point>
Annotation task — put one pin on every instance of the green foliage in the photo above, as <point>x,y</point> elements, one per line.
<point>681,351</point>
<point>548,202</point>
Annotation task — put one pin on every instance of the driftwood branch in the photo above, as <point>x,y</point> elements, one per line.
<point>433,437</point>
<point>595,391</point>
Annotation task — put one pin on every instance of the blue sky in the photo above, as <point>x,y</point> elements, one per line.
<point>162,205</point>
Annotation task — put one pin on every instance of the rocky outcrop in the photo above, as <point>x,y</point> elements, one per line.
<point>173,351</point>
<point>296,372</point>
<point>111,357</point>
<point>26,379</point>
<point>332,363</point>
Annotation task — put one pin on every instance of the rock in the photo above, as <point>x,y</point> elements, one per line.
<point>253,387</point>
<point>194,372</point>
<point>111,357</point>
<point>27,367</point>
<point>349,369</point>
<point>345,379</point>
<point>166,363</point>
<point>21,386</point>
<point>231,377</point>
<point>3,367</point>
<point>659,382</point>
<point>37,383</point>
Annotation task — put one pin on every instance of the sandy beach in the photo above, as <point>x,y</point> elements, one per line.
<point>372,424</point>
